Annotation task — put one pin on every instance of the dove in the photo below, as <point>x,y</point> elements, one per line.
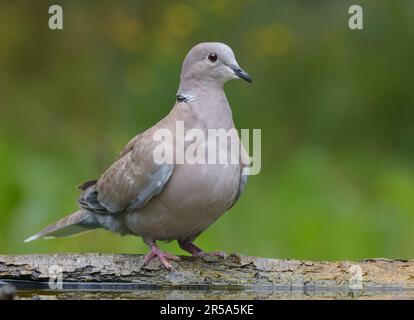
<point>169,201</point>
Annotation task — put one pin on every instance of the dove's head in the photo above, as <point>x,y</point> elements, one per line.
<point>211,63</point>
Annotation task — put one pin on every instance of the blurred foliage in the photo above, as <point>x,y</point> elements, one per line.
<point>335,107</point>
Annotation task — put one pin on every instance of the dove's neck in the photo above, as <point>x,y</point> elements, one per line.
<point>190,84</point>
<point>204,105</point>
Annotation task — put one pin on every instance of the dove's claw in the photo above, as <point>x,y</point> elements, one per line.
<point>162,256</point>
<point>197,252</point>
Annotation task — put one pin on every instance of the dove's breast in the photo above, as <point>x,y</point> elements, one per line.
<point>191,201</point>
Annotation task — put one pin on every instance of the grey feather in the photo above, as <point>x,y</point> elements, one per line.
<point>242,185</point>
<point>78,222</point>
<point>155,186</point>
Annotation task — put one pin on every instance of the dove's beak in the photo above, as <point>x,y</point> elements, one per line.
<point>241,73</point>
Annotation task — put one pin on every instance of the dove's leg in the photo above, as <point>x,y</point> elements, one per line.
<point>162,256</point>
<point>190,247</point>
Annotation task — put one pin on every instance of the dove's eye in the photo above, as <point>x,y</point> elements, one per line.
<point>212,57</point>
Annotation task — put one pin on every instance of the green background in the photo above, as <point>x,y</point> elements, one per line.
<point>335,107</point>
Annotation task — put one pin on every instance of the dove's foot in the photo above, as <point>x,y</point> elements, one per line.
<point>197,252</point>
<point>162,256</point>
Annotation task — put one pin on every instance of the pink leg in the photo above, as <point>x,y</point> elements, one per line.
<point>162,256</point>
<point>197,252</point>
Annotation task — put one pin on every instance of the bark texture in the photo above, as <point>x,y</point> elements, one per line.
<point>235,272</point>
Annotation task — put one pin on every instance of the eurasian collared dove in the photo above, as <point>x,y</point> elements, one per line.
<point>136,195</point>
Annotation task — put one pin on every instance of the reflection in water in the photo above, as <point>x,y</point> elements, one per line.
<point>206,294</point>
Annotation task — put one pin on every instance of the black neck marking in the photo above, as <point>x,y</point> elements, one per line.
<point>181,98</point>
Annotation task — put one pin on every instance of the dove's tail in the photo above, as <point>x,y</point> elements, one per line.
<point>78,222</point>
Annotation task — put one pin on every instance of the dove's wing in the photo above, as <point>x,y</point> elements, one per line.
<point>132,181</point>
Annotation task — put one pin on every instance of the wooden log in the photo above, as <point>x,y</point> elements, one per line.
<point>234,272</point>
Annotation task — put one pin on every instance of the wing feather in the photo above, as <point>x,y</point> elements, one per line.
<point>132,180</point>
